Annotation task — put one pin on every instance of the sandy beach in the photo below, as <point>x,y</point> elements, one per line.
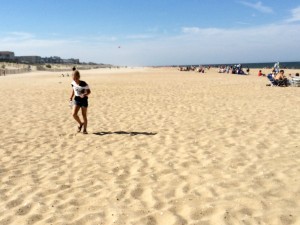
<point>164,148</point>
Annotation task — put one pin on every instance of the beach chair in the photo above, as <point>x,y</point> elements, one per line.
<point>295,82</point>
<point>273,81</point>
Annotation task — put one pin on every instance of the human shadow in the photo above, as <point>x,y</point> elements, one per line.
<point>125,132</point>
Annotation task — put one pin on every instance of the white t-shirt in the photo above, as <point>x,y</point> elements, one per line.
<point>80,88</point>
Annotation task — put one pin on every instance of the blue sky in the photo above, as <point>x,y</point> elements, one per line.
<point>153,32</point>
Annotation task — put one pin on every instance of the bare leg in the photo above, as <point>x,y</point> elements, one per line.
<point>84,115</point>
<point>75,116</point>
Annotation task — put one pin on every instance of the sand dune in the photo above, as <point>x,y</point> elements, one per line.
<point>164,148</point>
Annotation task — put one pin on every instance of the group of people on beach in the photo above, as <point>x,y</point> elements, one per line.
<point>199,69</point>
<point>278,78</point>
<point>234,69</point>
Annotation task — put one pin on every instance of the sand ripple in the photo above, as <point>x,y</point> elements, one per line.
<point>164,147</point>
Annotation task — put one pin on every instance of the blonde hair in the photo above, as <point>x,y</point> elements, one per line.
<point>76,74</point>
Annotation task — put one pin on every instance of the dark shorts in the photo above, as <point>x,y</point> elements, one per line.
<point>81,102</point>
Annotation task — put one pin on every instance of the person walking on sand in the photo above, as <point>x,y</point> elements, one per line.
<point>81,91</point>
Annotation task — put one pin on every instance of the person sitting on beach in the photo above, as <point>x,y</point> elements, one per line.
<point>281,79</point>
<point>227,69</point>
<point>294,79</point>
<point>81,91</point>
<point>248,71</point>
<point>200,69</point>
<point>296,75</point>
<point>241,72</point>
<point>261,74</point>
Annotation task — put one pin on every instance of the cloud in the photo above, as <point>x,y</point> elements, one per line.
<point>295,15</point>
<point>28,44</point>
<point>100,38</point>
<point>242,23</point>
<point>19,35</point>
<point>258,6</point>
<point>192,45</point>
<point>196,45</point>
<point>198,30</point>
<point>138,36</point>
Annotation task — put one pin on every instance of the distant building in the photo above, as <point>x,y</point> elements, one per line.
<point>71,61</point>
<point>7,56</point>
<point>30,59</point>
<point>10,56</point>
<point>52,59</point>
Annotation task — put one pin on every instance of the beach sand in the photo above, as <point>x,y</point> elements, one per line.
<point>164,148</point>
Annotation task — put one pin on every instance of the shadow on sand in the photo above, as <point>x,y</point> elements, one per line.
<point>124,132</point>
